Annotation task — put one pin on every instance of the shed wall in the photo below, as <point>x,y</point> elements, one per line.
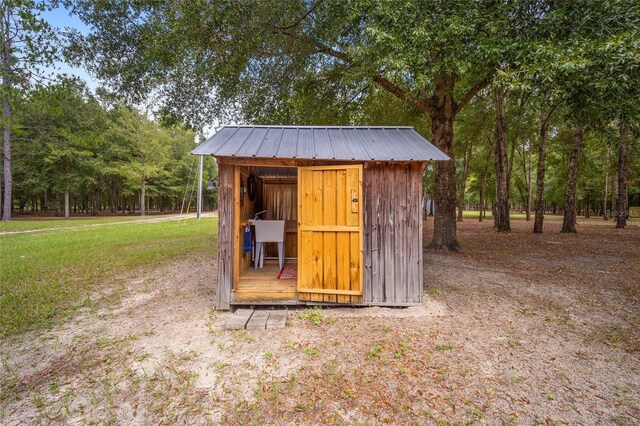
<point>393,233</point>
<point>225,236</point>
<point>392,200</point>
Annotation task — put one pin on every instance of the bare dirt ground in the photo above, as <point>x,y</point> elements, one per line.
<point>518,329</point>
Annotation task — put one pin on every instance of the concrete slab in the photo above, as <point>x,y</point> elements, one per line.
<point>258,320</point>
<point>239,319</point>
<point>277,319</point>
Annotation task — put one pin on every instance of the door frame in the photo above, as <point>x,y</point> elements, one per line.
<point>336,166</point>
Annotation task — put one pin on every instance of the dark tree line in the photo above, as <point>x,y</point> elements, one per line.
<point>74,155</point>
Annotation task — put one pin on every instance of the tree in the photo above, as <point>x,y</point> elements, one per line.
<point>569,219</point>
<point>621,208</point>
<point>26,43</point>
<point>433,55</point>
<point>540,172</point>
<point>64,125</point>
<point>590,66</point>
<point>146,147</point>
<point>501,214</point>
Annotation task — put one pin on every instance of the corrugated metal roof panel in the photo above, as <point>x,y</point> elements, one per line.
<point>322,144</point>
<point>269,147</point>
<point>339,146</point>
<point>289,144</point>
<point>354,143</point>
<point>351,143</point>
<point>305,143</point>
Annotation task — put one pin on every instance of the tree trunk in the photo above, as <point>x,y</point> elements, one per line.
<point>538,220</point>
<point>613,196</point>
<point>483,186</point>
<point>501,163</point>
<point>606,187</point>
<point>621,209</point>
<point>8,181</point>
<point>142,196</point>
<point>569,220</point>
<point>529,181</point>
<point>7,204</point>
<point>465,171</point>
<point>444,224</point>
<point>66,200</point>
<point>587,207</point>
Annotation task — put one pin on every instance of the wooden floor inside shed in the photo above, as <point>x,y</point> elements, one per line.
<point>262,286</point>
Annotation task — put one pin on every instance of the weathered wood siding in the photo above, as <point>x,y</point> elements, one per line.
<point>225,236</point>
<point>393,233</point>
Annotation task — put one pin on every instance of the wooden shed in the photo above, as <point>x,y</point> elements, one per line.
<point>350,199</point>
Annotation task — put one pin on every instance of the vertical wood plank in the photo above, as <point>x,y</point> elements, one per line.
<point>411,229</point>
<point>305,263</point>
<point>329,238</point>
<point>343,255</point>
<point>399,235</point>
<point>366,206</point>
<point>237,247</point>
<point>353,184</point>
<point>388,245</point>
<point>329,265</point>
<point>342,238</point>
<point>305,195</point>
<point>417,217</point>
<point>225,237</point>
<point>378,255</point>
<point>354,262</point>
<point>360,233</point>
<point>300,219</point>
<point>318,241</point>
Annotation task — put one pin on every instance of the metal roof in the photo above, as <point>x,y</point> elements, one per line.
<point>347,143</point>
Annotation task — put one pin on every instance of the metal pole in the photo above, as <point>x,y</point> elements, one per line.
<point>199,215</point>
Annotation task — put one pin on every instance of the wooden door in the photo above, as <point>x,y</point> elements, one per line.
<point>330,255</point>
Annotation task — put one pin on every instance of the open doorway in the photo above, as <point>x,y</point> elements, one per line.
<point>267,194</point>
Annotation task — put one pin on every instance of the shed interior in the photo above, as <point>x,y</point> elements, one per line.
<point>276,192</point>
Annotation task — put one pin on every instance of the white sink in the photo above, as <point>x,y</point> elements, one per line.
<point>268,231</point>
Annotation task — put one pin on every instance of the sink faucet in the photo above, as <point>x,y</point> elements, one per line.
<point>259,213</point>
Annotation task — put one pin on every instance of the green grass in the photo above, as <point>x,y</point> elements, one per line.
<point>45,276</point>
<point>22,224</point>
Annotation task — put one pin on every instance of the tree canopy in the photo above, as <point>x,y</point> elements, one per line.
<point>525,96</point>
<point>75,156</point>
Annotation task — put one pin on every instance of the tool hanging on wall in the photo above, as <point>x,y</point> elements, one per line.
<point>252,186</point>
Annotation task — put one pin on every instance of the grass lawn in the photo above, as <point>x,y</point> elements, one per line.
<point>44,276</point>
<point>23,224</point>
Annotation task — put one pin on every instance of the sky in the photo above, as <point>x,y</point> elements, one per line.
<point>60,18</point>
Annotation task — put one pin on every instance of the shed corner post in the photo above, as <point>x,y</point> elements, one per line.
<point>225,237</point>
